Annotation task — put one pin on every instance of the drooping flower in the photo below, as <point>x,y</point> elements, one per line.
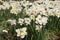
<point>12,21</point>
<point>38,27</point>
<point>5,31</point>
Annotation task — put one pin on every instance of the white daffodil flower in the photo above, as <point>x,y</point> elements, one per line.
<point>58,14</point>
<point>38,27</point>
<point>20,21</point>
<point>35,9</point>
<point>28,11</point>
<point>13,22</point>
<point>39,19</point>
<point>42,11</point>
<point>5,31</point>
<point>21,32</point>
<point>44,20</point>
<point>32,17</point>
<point>6,4</point>
<point>16,8</point>
<point>27,21</point>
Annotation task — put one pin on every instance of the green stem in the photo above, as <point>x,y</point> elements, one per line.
<point>38,36</point>
<point>32,37</point>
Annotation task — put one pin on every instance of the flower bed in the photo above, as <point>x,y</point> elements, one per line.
<point>24,20</point>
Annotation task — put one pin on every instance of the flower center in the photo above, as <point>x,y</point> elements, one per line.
<point>33,17</point>
<point>27,20</point>
<point>21,32</point>
<point>39,18</point>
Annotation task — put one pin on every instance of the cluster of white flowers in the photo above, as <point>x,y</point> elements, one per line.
<point>12,21</point>
<point>38,11</point>
<point>16,7</point>
<point>38,20</point>
<point>37,7</point>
